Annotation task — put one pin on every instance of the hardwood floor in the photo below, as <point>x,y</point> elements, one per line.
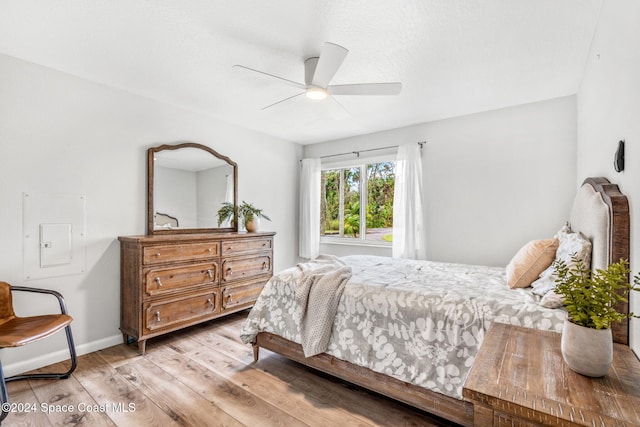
<point>201,376</point>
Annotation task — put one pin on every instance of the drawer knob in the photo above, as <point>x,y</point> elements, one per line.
<point>229,248</point>
<point>229,271</point>
<point>157,253</point>
<point>210,273</point>
<point>159,282</point>
<point>264,265</point>
<point>157,316</point>
<point>229,298</point>
<point>210,302</point>
<point>209,249</point>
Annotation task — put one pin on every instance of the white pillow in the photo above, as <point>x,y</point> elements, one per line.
<point>570,244</point>
<point>552,300</point>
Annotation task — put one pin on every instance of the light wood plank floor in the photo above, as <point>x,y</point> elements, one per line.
<point>201,376</point>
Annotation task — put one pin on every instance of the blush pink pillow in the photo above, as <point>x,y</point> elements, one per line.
<point>531,260</point>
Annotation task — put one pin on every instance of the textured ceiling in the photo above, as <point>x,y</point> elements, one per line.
<point>453,57</point>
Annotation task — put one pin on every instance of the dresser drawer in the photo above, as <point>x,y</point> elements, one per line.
<point>161,281</point>
<point>236,247</point>
<point>176,253</point>
<point>180,311</point>
<point>241,295</point>
<point>245,267</point>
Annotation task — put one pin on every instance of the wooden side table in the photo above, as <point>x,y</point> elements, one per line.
<point>520,379</point>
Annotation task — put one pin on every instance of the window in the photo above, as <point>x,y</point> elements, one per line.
<point>356,202</point>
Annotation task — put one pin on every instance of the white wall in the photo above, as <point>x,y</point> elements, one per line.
<point>175,194</point>
<point>609,110</point>
<point>492,180</point>
<point>212,191</point>
<point>62,134</point>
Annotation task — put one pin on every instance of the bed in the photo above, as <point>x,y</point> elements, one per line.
<point>410,329</point>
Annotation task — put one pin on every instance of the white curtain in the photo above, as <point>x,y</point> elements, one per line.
<point>310,208</point>
<point>228,195</point>
<point>409,237</point>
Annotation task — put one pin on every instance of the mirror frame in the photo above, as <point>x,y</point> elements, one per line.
<point>150,171</point>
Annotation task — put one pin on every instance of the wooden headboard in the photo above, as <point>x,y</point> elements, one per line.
<point>601,212</point>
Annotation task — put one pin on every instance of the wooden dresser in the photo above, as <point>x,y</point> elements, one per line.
<point>520,379</point>
<point>168,282</point>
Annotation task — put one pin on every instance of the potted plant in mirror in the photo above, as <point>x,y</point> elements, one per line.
<point>248,214</point>
<point>591,299</point>
<point>227,212</point>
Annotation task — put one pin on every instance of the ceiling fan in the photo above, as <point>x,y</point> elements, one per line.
<point>318,73</point>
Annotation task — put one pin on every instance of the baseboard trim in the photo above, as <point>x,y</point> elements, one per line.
<point>59,356</point>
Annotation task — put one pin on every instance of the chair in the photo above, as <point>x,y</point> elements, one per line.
<point>17,331</point>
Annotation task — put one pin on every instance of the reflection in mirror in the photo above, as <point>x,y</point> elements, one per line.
<point>187,185</point>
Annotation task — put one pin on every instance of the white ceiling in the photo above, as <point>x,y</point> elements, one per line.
<point>453,57</point>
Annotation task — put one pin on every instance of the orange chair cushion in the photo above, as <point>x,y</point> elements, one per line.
<point>18,331</point>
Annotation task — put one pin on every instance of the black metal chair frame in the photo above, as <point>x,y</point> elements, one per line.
<point>72,351</point>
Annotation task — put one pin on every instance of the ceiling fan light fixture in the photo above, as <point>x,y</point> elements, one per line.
<point>320,70</point>
<point>316,93</point>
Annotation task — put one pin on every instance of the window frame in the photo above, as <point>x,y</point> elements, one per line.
<point>360,162</point>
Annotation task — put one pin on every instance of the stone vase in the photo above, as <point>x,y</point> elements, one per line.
<point>587,351</point>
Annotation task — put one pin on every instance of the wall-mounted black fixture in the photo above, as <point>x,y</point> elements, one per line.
<point>618,161</point>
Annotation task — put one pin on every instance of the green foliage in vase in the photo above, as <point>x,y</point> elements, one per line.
<point>590,297</point>
<point>245,212</point>
<point>248,212</point>
<point>227,212</point>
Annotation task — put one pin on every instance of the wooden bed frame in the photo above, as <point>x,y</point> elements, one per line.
<point>458,411</point>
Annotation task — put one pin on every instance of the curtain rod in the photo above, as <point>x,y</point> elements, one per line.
<point>357,153</point>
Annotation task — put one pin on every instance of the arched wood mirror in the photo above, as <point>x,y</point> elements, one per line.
<point>186,185</point>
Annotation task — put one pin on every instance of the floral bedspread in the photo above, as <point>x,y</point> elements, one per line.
<point>419,321</point>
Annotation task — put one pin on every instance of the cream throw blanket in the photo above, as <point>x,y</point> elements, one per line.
<point>318,293</point>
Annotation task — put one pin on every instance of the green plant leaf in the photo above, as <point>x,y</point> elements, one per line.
<point>591,298</point>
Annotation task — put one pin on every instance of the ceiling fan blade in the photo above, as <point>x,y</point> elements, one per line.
<point>391,88</point>
<point>331,58</point>
<point>283,100</point>
<point>343,109</point>
<point>290,82</point>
